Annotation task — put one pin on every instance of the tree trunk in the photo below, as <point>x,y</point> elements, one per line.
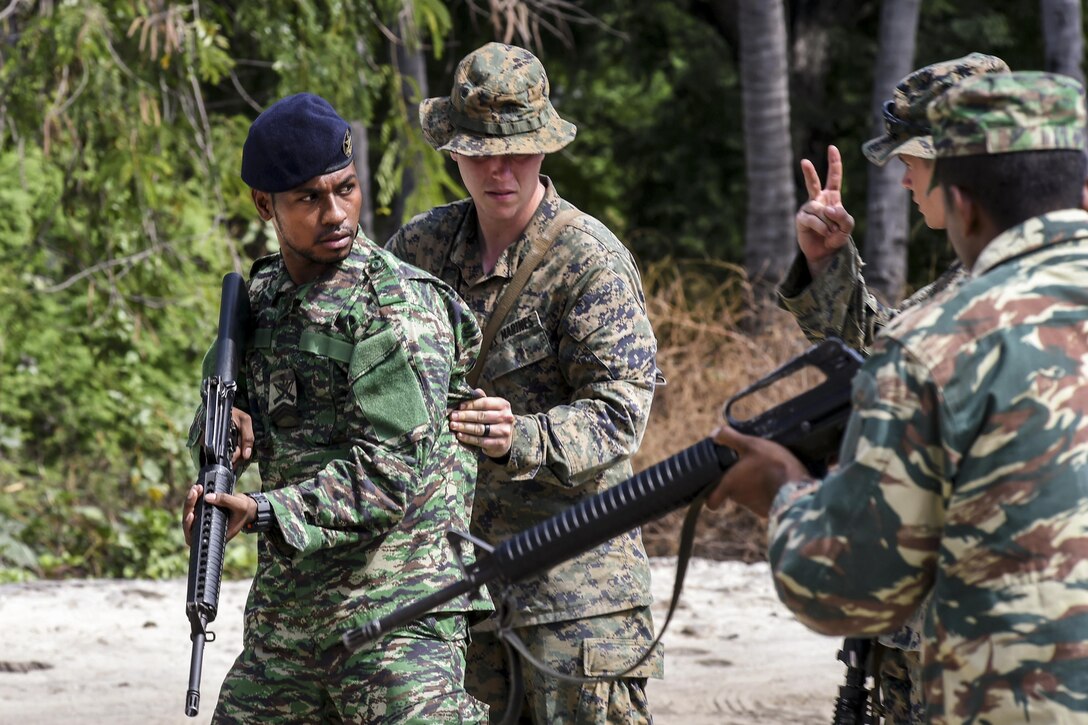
<point>888,203</point>
<point>410,64</point>
<point>1063,37</point>
<point>810,24</point>
<point>361,145</point>
<point>764,73</point>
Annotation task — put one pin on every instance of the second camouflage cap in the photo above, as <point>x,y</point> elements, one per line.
<point>906,127</point>
<point>1000,114</point>
<point>499,105</point>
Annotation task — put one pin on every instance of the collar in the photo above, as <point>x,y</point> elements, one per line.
<point>466,250</point>
<point>1032,235</point>
<point>321,300</point>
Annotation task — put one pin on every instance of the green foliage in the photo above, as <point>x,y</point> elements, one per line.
<point>121,126</point>
<point>72,537</point>
<point>659,154</point>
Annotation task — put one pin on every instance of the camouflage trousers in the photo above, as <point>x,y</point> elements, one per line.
<point>413,675</point>
<point>595,646</point>
<point>901,686</point>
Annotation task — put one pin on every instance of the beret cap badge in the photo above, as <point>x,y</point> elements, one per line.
<point>294,140</point>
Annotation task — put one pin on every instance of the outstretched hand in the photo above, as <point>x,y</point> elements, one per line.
<point>823,224</point>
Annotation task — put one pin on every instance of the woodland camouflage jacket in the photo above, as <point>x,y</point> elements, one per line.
<point>839,304</point>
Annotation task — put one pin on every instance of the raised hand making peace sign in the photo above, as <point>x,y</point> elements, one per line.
<point>823,224</point>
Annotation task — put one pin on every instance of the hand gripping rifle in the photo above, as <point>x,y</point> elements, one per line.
<point>810,425</point>
<point>209,535</point>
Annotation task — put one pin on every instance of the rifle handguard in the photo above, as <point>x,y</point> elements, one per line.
<point>804,424</point>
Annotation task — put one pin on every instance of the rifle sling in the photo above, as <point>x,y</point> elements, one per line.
<point>687,543</point>
<point>541,244</point>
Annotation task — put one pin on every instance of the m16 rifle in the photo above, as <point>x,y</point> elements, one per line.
<point>809,424</point>
<point>209,534</point>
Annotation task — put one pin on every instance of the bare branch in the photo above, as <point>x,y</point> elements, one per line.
<point>106,265</point>
<point>523,20</point>
<point>10,9</point>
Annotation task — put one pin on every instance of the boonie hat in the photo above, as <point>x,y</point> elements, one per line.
<point>1000,114</point>
<point>295,139</point>
<point>906,126</point>
<point>499,105</point>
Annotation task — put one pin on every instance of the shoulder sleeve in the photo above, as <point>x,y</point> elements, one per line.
<point>608,355</point>
<point>858,553</point>
<point>400,376</point>
<point>837,303</point>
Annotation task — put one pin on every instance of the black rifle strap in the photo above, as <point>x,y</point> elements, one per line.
<point>687,542</point>
<point>517,686</point>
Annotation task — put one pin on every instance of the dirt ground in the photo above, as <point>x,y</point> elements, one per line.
<point>76,652</point>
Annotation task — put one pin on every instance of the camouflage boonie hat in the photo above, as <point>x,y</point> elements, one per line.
<point>906,127</point>
<point>1000,114</point>
<point>498,106</point>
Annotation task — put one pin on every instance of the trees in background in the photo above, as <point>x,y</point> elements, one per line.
<point>887,203</point>
<point>769,237</point>
<point>1063,36</point>
<point>121,124</point>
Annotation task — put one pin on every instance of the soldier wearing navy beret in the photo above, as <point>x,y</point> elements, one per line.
<point>354,360</point>
<point>296,139</point>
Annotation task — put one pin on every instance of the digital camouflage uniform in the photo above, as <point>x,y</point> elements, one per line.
<point>839,304</point>
<point>965,461</point>
<point>348,380</point>
<point>576,360</point>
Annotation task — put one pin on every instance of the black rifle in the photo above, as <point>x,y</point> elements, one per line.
<point>810,425</point>
<point>853,706</point>
<point>209,535</point>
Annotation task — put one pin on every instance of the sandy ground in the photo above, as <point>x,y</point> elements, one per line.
<point>118,652</point>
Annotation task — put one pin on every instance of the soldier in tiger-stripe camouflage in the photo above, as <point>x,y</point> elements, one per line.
<point>964,468</point>
<point>353,363</point>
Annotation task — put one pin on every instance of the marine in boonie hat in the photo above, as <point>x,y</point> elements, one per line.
<point>499,105</point>
<point>293,140</point>
<point>906,126</point>
<point>999,114</point>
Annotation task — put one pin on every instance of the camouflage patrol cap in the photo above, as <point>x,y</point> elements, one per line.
<point>1000,114</point>
<point>499,105</point>
<point>906,128</point>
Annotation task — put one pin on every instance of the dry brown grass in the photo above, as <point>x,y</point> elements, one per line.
<point>706,359</point>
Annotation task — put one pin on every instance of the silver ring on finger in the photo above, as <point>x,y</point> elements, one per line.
<point>487,430</point>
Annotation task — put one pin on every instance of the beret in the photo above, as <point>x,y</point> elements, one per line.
<point>1010,112</point>
<point>294,140</point>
